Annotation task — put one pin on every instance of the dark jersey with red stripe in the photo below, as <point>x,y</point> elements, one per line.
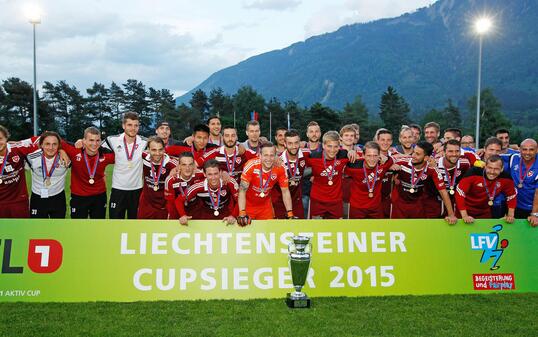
<point>149,197</point>
<point>324,172</point>
<point>233,164</point>
<point>451,176</point>
<point>13,180</point>
<point>471,193</point>
<point>205,209</point>
<point>177,150</point>
<point>295,171</point>
<point>175,192</point>
<point>412,183</point>
<point>359,188</point>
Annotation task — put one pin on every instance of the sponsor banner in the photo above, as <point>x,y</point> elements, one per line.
<point>123,260</point>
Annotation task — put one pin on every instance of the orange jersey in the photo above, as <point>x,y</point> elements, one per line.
<point>259,192</point>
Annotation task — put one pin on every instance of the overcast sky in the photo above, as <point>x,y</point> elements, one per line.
<point>173,44</point>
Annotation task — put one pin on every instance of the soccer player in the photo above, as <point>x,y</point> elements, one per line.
<point>477,190</point>
<point>253,133</point>
<point>126,177</point>
<point>280,140</point>
<point>230,156</point>
<point>200,144</point>
<point>432,132</point>
<point>357,129</point>
<point>48,178</point>
<point>383,137</point>
<point>452,167</point>
<point>13,191</point>
<point>214,198</point>
<point>408,196</point>
<point>417,132</point>
<point>294,162</point>
<point>524,171</point>
<point>215,125</point>
<point>467,143</point>
<point>327,170</point>
<point>176,186</point>
<point>493,147</point>
<point>348,134</point>
<point>504,136</point>
<point>257,181</point>
<point>164,132</point>
<point>157,167</point>
<point>88,183</point>
<point>452,133</point>
<point>407,141</point>
<point>366,188</point>
<point>313,134</point>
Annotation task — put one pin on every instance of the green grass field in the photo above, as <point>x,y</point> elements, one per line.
<point>450,315</point>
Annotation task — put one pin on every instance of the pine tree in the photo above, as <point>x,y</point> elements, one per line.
<point>200,104</point>
<point>394,110</point>
<point>452,115</point>
<point>325,116</point>
<point>491,115</point>
<point>355,112</point>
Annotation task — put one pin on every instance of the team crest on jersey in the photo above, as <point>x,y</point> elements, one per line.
<point>223,193</point>
<point>78,157</point>
<point>302,163</point>
<point>273,176</point>
<point>16,158</point>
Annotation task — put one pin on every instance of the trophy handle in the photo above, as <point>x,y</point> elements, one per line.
<point>291,244</point>
<point>309,245</point>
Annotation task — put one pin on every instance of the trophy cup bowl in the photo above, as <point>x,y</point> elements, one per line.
<point>299,261</point>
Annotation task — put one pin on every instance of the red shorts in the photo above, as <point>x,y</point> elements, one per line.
<point>366,213</point>
<point>346,188</point>
<point>407,210</point>
<point>433,207</point>
<point>325,209</point>
<point>148,212</point>
<point>281,213</point>
<point>386,202</point>
<point>19,209</point>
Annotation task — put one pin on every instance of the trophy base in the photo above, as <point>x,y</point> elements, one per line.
<point>295,303</point>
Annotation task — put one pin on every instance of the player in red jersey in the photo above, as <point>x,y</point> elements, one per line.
<point>383,137</point>
<point>200,144</point>
<point>214,198</point>
<point>13,192</point>
<point>313,134</point>
<point>479,187</point>
<point>215,126</point>
<point>407,141</point>
<point>280,140</point>
<point>257,181</point>
<point>177,185</point>
<point>231,156</point>
<point>366,188</point>
<point>327,168</point>
<point>88,183</point>
<point>414,174</point>
<point>294,162</point>
<point>156,168</point>
<point>452,167</point>
<point>348,135</point>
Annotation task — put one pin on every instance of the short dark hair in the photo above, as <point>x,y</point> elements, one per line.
<point>451,142</point>
<point>280,128</point>
<point>92,130</point>
<point>200,128</point>
<point>186,155</point>
<point>49,134</point>
<point>156,139</point>
<point>372,145</point>
<point>495,158</point>
<point>415,126</point>
<point>213,117</point>
<point>433,125</point>
<point>491,141</point>
<point>456,131</point>
<point>211,163</point>
<point>382,131</point>
<point>5,131</point>
<point>502,130</point>
<point>226,127</point>
<point>130,115</point>
<point>427,147</point>
<point>252,123</point>
<point>266,144</point>
<point>292,133</point>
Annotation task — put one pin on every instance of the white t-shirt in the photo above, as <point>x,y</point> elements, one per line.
<point>57,179</point>
<point>127,174</point>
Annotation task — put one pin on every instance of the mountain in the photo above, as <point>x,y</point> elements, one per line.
<point>429,55</point>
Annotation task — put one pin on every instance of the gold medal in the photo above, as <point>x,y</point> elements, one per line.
<point>451,191</point>
<point>411,190</point>
<point>1,181</point>
<point>292,183</point>
<point>330,182</point>
<point>91,181</point>
<point>155,188</point>
<point>520,185</point>
<point>490,203</point>
<point>216,213</point>
<point>262,195</point>
<point>370,195</point>
<point>47,182</point>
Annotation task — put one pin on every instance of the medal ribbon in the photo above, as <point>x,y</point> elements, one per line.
<point>230,166</point>
<point>294,174</point>
<point>157,176</point>
<point>451,181</point>
<point>329,176</point>
<point>490,196</point>
<point>264,187</point>
<point>91,171</point>
<point>45,172</point>
<point>370,188</point>
<point>524,175</point>
<point>4,163</point>
<point>193,151</point>
<point>413,181</point>
<point>129,156</point>
<point>214,205</point>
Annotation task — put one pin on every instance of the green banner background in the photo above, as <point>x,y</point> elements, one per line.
<point>438,259</point>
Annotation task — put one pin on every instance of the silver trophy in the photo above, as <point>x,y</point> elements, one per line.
<point>299,258</point>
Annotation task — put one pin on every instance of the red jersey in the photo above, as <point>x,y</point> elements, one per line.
<point>261,183</point>
<point>474,187</point>
<point>233,164</point>
<point>364,180</point>
<point>176,150</point>
<point>152,178</point>
<point>175,193</point>
<point>412,182</point>
<point>295,171</point>
<point>12,176</point>
<point>325,172</point>
<point>86,169</point>
<point>208,201</point>
<point>451,176</point>
<point>386,182</point>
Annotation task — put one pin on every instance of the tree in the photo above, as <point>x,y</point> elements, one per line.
<point>278,116</point>
<point>491,115</point>
<point>245,101</point>
<point>355,112</point>
<point>394,110</point>
<point>188,120</point>
<point>17,107</point>
<point>434,115</point>
<point>199,103</point>
<point>325,116</point>
<point>135,100</point>
<point>222,106</point>
<point>452,115</point>
<point>96,105</point>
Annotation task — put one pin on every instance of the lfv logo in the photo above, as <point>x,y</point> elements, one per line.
<point>490,244</point>
<point>44,256</point>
